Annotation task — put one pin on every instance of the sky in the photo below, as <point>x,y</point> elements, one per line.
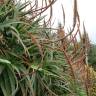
<point>87,13</point>
<point>86,9</point>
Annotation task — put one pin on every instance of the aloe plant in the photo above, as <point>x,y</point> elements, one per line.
<point>27,68</point>
<point>35,61</point>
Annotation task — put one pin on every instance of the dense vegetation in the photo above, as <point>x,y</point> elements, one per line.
<point>92,56</point>
<point>35,60</point>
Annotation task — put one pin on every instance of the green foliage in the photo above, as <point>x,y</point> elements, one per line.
<point>29,66</point>
<point>92,56</point>
<point>24,71</point>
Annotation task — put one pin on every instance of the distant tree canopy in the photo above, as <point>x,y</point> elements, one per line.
<point>92,56</point>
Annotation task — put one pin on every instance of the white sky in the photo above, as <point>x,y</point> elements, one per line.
<point>87,14</point>
<point>86,10</point>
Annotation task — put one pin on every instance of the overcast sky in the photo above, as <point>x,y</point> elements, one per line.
<point>86,10</point>
<point>87,14</point>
